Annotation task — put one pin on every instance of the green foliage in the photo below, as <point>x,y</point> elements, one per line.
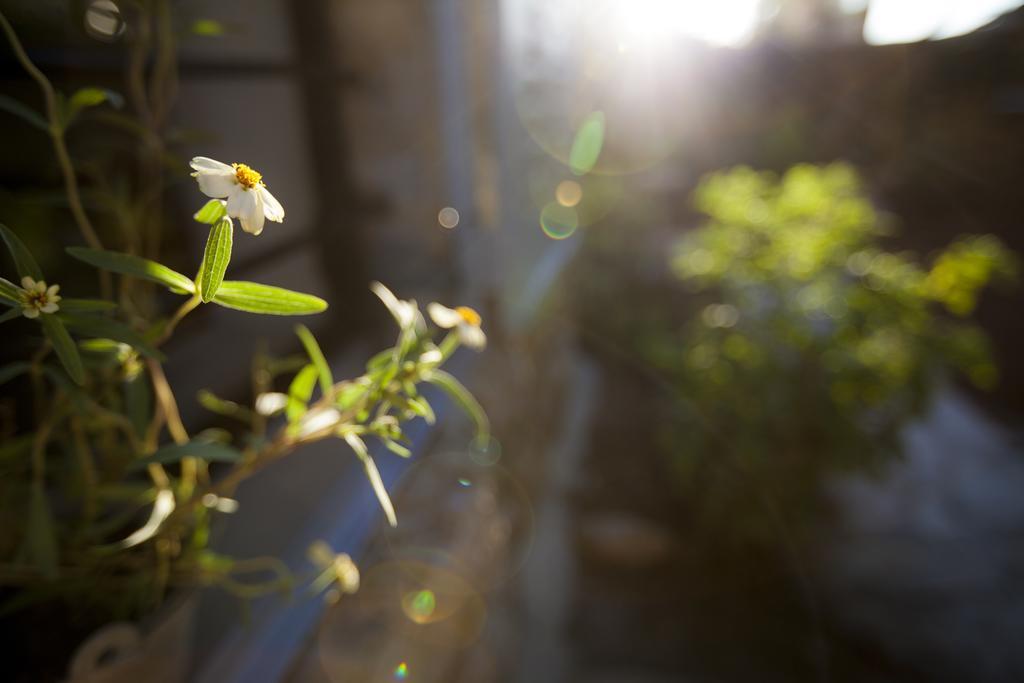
<point>316,356</point>
<point>126,264</point>
<point>107,499</point>
<point>256,298</point>
<point>212,212</point>
<point>215,259</point>
<point>64,347</point>
<point>24,263</point>
<point>812,344</point>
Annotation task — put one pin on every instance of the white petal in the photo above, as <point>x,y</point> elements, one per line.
<point>270,403</point>
<point>472,336</point>
<point>52,291</point>
<point>403,311</point>
<point>432,356</point>
<point>49,308</point>
<point>443,316</point>
<point>41,287</point>
<point>319,420</point>
<point>217,185</point>
<point>28,283</point>
<point>208,165</point>
<point>253,226</point>
<point>247,207</point>
<point>272,208</point>
<point>30,312</point>
<point>241,203</point>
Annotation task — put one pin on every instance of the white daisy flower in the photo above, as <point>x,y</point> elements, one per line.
<point>248,199</point>
<point>463,319</point>
<point>37,298</point>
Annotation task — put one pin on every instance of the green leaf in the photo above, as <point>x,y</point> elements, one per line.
<point>41,546</point>
<point>396,448</point>
<point>221,406</point>
<point>317,356</point>
<point>359,446</point>
<point>257,298</point>
<point>215,259</point>
<point>138,399</point>
<point>207,27</point>
<point>460,394</point>
<point>10,293</point>
<point>348,393</point>
<point>86,306</point>
<point>25,113</point>
<point>64,346</point>
<point>9,372</point>
<point>23,261</point>
<point>212,212</point>
<point>85,98</point>
<point>10,315</point>
<point>421,407</point>
<point>204,450</point>
<point>105,328</point>
<point>300,391</point>
<point>135,266</point>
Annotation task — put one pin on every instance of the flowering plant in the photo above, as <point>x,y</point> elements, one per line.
<point>107,499</point>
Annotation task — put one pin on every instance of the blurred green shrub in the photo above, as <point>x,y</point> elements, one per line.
<point>813,343</point>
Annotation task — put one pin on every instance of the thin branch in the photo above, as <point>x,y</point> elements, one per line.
<point>56,130</point>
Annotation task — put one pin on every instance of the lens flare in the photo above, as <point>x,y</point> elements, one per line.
<point>587,145</point>
<point>558,222</point>
<point>448,217</point>
<point>401,671</point>
<point>485,452</point>
<point>568,193</point>
<point>419,605</point>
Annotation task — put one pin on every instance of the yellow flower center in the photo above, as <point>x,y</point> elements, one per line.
<point>470,316</point>
<point>247,177</point>
<point>34,299</point>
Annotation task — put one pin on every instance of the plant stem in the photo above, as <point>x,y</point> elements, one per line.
<point>56,131</point>
<point>182,311</point>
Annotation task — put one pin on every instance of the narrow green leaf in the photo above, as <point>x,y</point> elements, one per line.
<point>138,402</point>
<point>212,212</point>
<point>204,450</point>
<point>215,259</point>
<point>317,356</point>
<point>465,400</point>
<point>40,536</point>
<point>24,263</point>
<point>135,266</point>
<point>9,372</point>
<point>257,298</point>
<point>421,407</point>
<point>348,393</point>
<point>24,112</point>
<point>10,293</point>
<point>86,306</point>
<point>300,391</point>
<point>396,448</point>
<point>221,406</point>
<point>105,328</point>
<point>10,315</point>
<point>64,346</point>
<point>373,475</point>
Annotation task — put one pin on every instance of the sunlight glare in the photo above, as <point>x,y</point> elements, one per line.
<point>723,22</point>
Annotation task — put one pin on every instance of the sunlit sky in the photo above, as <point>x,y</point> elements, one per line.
<point>733,22</point>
